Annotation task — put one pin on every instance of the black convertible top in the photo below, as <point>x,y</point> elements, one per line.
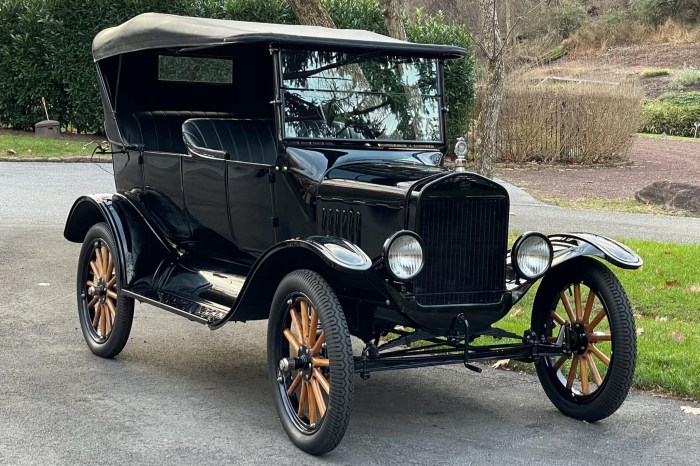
<point>160,31</point>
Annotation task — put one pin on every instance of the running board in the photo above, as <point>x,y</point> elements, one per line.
<point>195,311</point>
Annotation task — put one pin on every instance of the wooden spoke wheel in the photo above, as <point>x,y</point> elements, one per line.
<point>584,299</point>
<point>105,317</point>
<point>310,362</point>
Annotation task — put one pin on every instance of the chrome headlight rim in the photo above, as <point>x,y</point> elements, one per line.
<point>387,247</point>
<point>516,248</point>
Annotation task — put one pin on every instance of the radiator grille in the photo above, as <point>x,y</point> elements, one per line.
<point>465,248</point>
<point>342,223</point>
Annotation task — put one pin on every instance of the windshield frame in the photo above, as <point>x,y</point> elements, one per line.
<point>279,102</point>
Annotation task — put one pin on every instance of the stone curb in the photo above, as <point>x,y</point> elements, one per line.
<point>77,159</point>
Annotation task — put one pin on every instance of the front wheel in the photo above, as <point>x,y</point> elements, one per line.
<point>586,298</point>
<point>310,362</point>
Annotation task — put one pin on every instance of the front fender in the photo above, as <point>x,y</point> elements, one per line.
<point>570,245</point>
<point>337,260</point>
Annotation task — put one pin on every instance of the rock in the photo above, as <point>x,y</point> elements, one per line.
<point>11,152</point>
<point>672,196</point>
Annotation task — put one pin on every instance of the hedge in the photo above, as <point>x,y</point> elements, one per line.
<point>45,50</point>
<point>673,114</point>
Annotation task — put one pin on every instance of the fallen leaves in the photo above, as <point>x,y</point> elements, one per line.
<point>690,410</point>
<point>501,363</point>
<point>694,288</point>
<point>678,336</point>
<point>670,283</point>
<point>640,330</point>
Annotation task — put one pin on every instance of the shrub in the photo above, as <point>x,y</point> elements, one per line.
<point>568,123</point>
<point>687,77</point>
<point>568,18</point>
<point>656,12</point>
<point>654,73</point>
<point>672,114</point>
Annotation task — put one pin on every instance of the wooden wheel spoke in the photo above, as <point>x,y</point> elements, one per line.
<point>585,387</point>
<point>90,283</point>
<point>294,343</point>
<point>295,384</point>
<point>323,382</point>
<point>577,302</point>
<point>296,326</point>
<point>111,283</point>
<point>589,306</point>
<point>108,324</point>
<point>112,294</point>
<point>319,344</point>
<point>92,302</point>
<point>596,338</point>
<point>320,362</point>
<point>594,370</point>
<point>302,399</point>
<point>96,317</point>
<point>556,318</point>
<point>311,395</point>
<point>593,349</point>
<point>98,262</point>
<point>596,320</point>
<point>313,326</point>
<point>95,271</point>
<point>572,373</point>
<point>567,306</point>
<point>560,362</point>
<point>103,321</point>
<point>304,321</point>
<point>112,309</point>
<point>320,402</point>
<point>105,261</point>
<point>110,266</point>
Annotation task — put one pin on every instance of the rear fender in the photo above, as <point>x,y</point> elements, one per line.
<point>336,260</point>
<point>139,247</point>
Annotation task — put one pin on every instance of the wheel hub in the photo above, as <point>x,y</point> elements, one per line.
<point>579,338</point>
<point>101,290</point>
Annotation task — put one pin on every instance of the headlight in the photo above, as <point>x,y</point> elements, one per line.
<point>531,255</point>
<point>403,255</point>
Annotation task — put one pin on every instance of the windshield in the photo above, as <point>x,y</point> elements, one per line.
<point>339,95</point>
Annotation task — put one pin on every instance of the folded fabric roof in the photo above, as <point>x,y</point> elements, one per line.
<point>162,31</point>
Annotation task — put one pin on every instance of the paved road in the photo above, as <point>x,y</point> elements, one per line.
<point>57,185</point>
<point>181,393</point>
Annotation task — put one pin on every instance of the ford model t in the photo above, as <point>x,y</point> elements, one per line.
<point>295,174</point>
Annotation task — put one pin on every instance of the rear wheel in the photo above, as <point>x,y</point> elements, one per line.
<point>105,314</point>
<point>592,382</point>
<point>310,362</point>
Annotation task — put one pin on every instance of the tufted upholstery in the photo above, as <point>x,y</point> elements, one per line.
<point>159,131</point>
<point>242,140</point>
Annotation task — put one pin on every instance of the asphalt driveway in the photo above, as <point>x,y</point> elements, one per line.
<point>180,393</point>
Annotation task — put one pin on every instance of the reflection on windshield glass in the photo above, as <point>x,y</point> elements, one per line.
<point>332,95</point>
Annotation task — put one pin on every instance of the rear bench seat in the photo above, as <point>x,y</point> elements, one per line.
<point>159,131</point>
<point>241,140</point>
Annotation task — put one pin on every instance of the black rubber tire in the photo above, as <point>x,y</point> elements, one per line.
<point>339,350</point>
<point>620,373</point>
<point>117,338</point>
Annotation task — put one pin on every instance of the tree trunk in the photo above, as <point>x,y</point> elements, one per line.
<point>311,12</point>
<point>487,128</point>
<point>492,46</point>
<point>509,25</point>
<point>392,18</point>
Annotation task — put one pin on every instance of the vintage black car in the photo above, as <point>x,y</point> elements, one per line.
<point>296,174</point>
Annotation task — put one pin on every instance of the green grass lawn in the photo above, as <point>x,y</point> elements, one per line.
<point>30,146</point>
<point>665,297</point>
<point>665,136</point>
